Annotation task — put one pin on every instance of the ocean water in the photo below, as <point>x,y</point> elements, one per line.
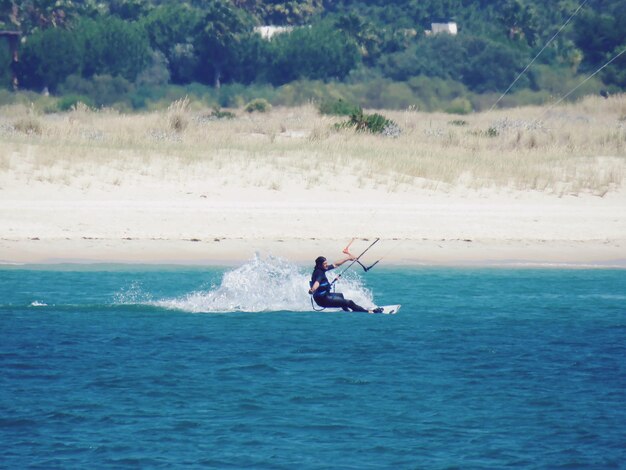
<point>187,367</point>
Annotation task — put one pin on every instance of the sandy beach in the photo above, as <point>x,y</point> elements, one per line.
<point>151,221</point>
<point>101,187</point>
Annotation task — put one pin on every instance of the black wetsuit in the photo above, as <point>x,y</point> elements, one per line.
<point>325,298</point>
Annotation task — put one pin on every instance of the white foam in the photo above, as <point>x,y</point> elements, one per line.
<point>261,285</point>
<point>132,295</point>
<point>36,303</point>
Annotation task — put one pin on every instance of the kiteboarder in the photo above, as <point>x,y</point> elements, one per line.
<point>321,288</point>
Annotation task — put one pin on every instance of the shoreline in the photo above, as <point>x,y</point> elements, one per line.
<point>46,224</point>
<point>601,254</point>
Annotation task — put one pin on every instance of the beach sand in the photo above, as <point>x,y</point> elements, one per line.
<point>189,217</point>
<point>530,186</point>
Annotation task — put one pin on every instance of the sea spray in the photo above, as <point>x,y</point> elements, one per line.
<point>270,284</point>
<point>132,295</point>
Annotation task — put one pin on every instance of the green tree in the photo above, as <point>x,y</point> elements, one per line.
<point>291,12</point>
<point>320,52</point>
<point>280,12</point>
<point>48,57</point>
<point>5,65</point>
<point>113,47</point>
<point>440,56</point>
<point>29,16</point>
<point>129,10</point>
<point>490,66</point>
<point>520,20</point>
<point>174,30</point>
<point>480,64</point>
<point>223,29</point>
<point>602,36</point>
<point>250,59</point>
<point>367,36</point>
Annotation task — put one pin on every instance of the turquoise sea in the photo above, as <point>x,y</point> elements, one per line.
<point>108,366</point>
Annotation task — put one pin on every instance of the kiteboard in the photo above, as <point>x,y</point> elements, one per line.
<point>389,309</point>
<point>386,309</point>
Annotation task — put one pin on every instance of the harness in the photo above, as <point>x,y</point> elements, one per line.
<point>323,290</point>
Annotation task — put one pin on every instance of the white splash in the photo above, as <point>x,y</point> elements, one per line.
<point>36,303</point>
<point>132,295</point>
<point>261,285</point>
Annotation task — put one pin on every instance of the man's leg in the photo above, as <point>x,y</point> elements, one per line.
<point>355,307</point>
<point>338,301</point>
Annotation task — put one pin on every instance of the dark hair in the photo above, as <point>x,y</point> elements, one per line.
<point>319,261</point>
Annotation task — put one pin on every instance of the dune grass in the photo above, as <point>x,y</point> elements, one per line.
<point>568,149</point>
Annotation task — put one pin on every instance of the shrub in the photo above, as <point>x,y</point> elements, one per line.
<point>178,122</point>
<point>305,91</point>
<point>492,132</point>
<point>337,107</point>
<point>396,95</point>
<point>102,90</point>
<point>176,114</point>
<point>459,106</point>
<point>217,113</point>
<point>28,125</point>
<point>258,105</point>
<point>231,95</point>
<point>374,123</point>
<point>69,102</point>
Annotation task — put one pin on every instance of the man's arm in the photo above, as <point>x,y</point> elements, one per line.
<point>314,287</point>
<point>345,260</point>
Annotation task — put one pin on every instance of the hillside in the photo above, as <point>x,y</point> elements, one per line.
<point>136,52</point>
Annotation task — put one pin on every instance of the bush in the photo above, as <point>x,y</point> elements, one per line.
<point>305,91</point>
<point>337,107</point>
<point>176,114</point>
<point>68,102</point>
<point>492,132</point>
<point>217,113</point>
<point>258,105</point>
<point>28,125</point>
<point>459,106</point>
<point>101,90</point>
<point>397,95</point>
<point>435,92</point>
<point>232,95</point>
<point>373,123</point>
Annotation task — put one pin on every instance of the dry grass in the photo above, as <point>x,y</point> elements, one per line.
<point>564,150</point>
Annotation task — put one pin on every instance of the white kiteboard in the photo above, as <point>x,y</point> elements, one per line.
<point>389,309</point>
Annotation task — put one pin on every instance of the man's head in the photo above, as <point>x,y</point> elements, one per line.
<point>320,262</point>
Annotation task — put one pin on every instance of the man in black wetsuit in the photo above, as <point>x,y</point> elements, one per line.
<point>320,288</point>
